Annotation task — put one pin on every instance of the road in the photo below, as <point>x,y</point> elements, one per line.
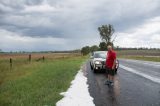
<point>136,84</point>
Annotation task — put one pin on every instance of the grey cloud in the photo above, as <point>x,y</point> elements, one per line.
<point>74,19</point>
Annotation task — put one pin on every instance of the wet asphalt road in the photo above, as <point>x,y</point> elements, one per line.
<point>129,89</point>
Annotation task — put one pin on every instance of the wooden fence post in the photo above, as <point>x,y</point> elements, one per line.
<point>43,58</point>
<point>30,58</point>
<point>10,61</point>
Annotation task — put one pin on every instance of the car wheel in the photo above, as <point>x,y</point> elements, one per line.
<point>91,66</point>
<point>94,70</point>
<point>104,70</point>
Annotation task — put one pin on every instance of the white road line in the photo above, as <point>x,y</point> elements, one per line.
<point>154,79</point>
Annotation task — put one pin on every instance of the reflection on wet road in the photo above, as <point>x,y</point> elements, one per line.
<point>129,89</point>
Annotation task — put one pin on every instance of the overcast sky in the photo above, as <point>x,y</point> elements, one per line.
<point>34,25</point>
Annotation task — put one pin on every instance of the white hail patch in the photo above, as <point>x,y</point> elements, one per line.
<point>77,94</point>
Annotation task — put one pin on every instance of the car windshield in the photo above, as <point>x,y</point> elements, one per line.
<point>100,55</point>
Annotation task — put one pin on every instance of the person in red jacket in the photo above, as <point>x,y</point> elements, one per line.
<point>110,65</point>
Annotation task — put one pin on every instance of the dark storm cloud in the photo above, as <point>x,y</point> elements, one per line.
<point>73,20</point>
<point>68,19</point>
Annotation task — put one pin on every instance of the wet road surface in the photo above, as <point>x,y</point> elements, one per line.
<point>130,89</point>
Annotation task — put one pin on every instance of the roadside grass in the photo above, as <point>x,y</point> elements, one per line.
<point>146,55</point>
<point>145,58</point>
<point>36,83</point>
<point>139,52</point>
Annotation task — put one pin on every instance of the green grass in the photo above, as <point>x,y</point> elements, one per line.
<point>139,52</point>
<point>37,83</point>
<point>145,58</point>
<point>146,55</point>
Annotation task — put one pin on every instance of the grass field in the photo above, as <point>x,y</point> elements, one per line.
<point>145,58</point>
<point>37,83</point>
<point>147,55</point>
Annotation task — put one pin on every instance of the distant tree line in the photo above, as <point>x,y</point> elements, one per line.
<point>134,48</point>
<point>86,50</point>
<point>65,51</point>
<point>103,47</point>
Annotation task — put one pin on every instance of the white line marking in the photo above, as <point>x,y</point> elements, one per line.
<point>154,79</point>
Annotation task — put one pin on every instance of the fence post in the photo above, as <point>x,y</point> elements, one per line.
<point>30,58</point>
<point>43,58</point>
<point>10,60</point>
